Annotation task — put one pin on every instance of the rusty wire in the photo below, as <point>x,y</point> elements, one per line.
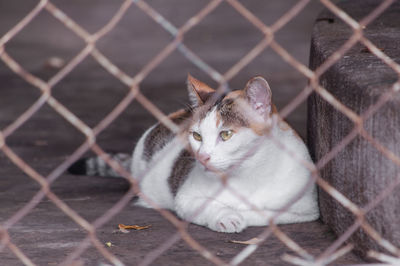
<point>133,83</point>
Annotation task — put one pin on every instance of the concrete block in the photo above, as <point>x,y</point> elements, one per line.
<point>358,79</point>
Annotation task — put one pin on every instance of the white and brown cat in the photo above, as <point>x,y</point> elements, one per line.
<point>223,170</point>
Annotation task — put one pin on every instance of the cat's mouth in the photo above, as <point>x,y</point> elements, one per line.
<point>209,168</point>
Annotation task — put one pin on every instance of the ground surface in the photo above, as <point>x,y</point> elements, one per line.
<point>46,235</point>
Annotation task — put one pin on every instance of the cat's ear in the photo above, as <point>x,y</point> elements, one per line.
<point>199,92</point>
<point>258,95</point>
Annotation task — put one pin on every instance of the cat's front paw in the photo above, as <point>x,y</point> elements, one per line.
<point>229,222</point>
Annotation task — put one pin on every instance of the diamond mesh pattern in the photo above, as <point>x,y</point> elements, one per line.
<point>133,83</point>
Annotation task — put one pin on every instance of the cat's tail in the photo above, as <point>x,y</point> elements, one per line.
<point>95,166</point>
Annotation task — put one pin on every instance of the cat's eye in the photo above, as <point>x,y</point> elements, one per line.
<point>226,134</point>
<point>197,136</point>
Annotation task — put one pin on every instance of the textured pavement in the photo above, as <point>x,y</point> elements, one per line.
<point>46,235</point>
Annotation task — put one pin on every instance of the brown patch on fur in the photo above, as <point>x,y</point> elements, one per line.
<point>284,126</point>
<point>218,120</point>
<point>274,110</point>
<point>234,94</point>
<point>231,115</point>
<point>201,90</point>
<point>182,167</point>
<point>258,128</point>
<point>178,114</point>
<point>228,111</point>
<point>262,128</point>
<point>200,112</point>
<point>160,135</point>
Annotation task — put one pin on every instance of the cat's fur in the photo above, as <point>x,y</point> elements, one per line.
<point>229,184</point>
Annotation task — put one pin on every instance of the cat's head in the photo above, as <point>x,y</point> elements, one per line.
<point>225,127</point>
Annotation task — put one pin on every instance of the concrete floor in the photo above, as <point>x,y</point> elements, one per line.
<point>46,235</point>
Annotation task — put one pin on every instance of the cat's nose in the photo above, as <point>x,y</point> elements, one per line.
<point>203,158</point>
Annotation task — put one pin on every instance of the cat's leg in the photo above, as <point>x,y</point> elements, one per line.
<point>210,213</point>
<point>222,218</point>
<point>228,220</point>
<point>263,217</point>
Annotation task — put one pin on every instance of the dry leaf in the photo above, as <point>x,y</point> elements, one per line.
<point>123,230</point>
<point>135,227</point>
<point>252,241</point>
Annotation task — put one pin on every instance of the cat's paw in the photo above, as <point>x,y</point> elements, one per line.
<point>229,222</point>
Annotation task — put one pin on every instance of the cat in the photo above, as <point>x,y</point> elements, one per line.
<point>223,149</point>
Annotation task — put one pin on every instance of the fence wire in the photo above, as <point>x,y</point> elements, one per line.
<point>302,257</point>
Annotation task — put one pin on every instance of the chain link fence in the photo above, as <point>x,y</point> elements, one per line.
<point>133,84</point>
